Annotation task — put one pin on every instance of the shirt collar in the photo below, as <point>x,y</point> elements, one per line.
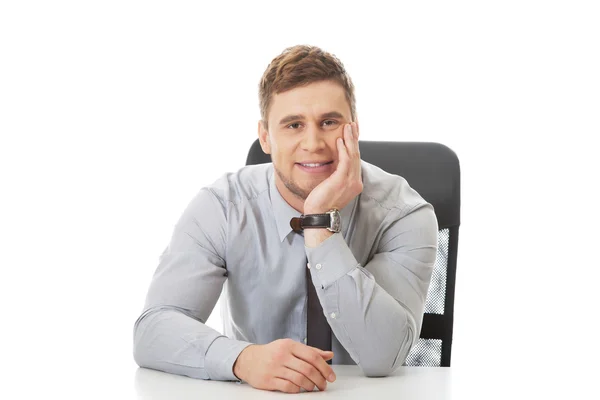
<point>284,212</point>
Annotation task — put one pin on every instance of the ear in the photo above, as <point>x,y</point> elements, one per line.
<point>263,137</point>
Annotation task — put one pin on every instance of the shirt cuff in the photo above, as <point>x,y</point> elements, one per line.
<point>221,356</point>
<point>331,260</point>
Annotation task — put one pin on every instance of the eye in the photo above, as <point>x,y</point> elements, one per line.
<point>295,125</point>
<point>330,122</point>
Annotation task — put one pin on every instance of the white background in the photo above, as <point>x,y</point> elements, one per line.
<point>114,114</point>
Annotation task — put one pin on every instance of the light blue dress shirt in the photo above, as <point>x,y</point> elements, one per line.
<point>235,238</point>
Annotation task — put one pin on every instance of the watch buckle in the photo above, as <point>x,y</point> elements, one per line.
<point>334,220</point>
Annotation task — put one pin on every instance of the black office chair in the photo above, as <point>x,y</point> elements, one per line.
<point>433,170</point>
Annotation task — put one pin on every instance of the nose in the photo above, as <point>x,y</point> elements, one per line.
<point>312,139</point>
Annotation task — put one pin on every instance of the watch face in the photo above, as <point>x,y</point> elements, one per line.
<point>336,221</point>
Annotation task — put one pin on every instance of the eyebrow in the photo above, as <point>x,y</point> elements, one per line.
<point>290,118</point>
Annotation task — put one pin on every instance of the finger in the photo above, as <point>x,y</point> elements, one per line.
<point>352,143</point>
<point>308,370</point>
<point>353,155</point>
<point>326,354</point>
<point>344,158</point>
<point>356,136</point>
<point>305,353</point>
<point>297,379</point>
<point>285,386</point>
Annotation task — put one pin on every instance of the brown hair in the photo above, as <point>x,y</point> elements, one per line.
<point>299,66</point>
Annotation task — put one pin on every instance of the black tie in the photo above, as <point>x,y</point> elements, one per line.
<point>318,331</point>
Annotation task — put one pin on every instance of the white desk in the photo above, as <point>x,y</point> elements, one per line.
<point>406,383</point>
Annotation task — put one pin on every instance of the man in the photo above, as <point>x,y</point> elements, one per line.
<point>368,277</point>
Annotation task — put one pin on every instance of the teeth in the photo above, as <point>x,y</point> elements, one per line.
<point>312,165</point>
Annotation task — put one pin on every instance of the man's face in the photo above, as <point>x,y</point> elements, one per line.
<point>304,124</point>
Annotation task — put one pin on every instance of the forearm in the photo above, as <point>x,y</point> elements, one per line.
<point>375,328</point>
<point>168,340</point>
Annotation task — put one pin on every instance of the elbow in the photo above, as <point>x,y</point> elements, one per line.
<point>138,357</point>
<point>382,366</point>
<point>138,350</point>
<point>386,364</point>
<point>376,371</point>
<point>374,368</point>
<point>140,347</point>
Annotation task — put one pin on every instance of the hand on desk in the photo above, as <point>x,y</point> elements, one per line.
<point>284,365</point>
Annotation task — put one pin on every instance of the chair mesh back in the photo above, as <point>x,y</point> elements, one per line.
<point>433,170</point>
<point>436,296</point>
<point>428,352</point>
<point>425,353</point>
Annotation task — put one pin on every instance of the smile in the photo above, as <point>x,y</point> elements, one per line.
<point>316,167</point>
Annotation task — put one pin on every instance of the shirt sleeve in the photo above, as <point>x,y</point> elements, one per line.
<point>376,310</point>
<point>170,335</point>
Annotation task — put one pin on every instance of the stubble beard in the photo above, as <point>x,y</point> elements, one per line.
<point>293,187</point>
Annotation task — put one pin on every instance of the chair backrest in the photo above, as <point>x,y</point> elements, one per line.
<point>433,170</point>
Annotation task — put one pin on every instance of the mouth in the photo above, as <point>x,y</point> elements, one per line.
<point>315,167</point>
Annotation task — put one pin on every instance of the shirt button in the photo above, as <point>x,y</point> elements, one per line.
<point>318,266</point>
<point>333,315</point>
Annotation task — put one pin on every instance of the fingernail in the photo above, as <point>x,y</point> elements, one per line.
<point>331,377</point>
<point>349,129</point>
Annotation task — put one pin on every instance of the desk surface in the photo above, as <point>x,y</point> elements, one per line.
<point>405,383</point>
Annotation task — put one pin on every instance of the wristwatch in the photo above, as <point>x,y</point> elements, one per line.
<point>331,220</point>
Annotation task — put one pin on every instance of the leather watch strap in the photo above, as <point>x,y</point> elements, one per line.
<point>316,221</point>
<point>310,221</point>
